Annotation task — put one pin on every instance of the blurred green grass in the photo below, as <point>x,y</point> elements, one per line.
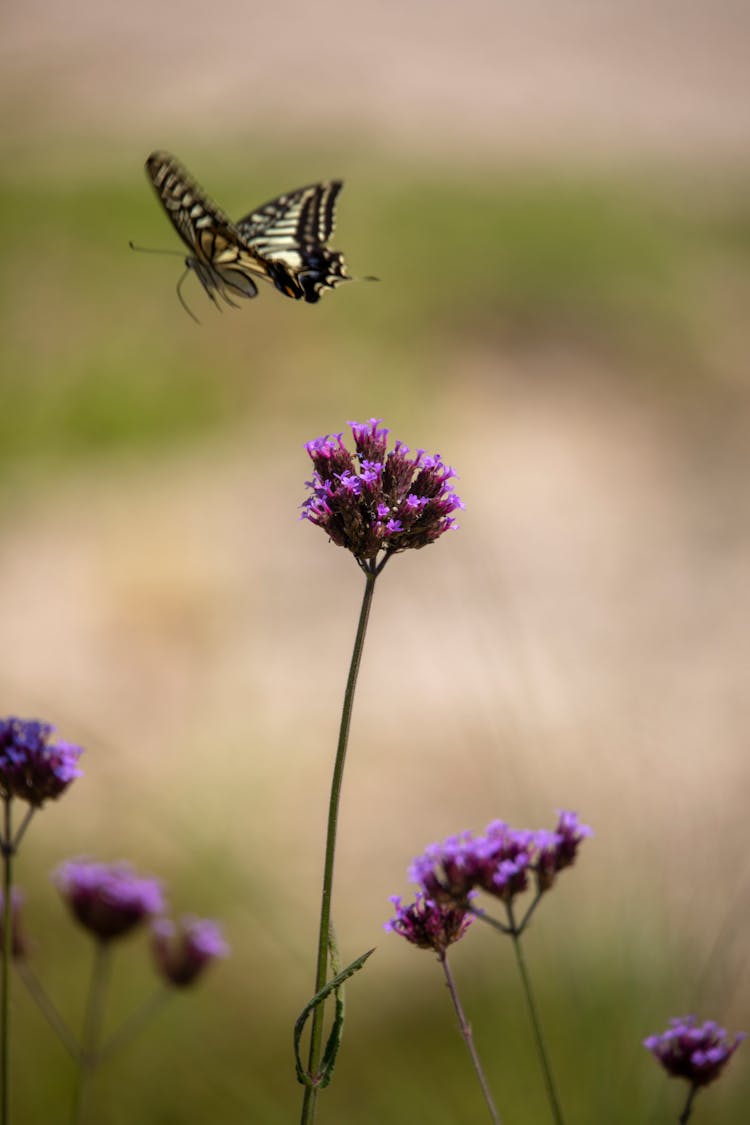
<point>99,356</point>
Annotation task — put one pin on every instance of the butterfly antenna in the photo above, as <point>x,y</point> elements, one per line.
<point>150,250</point>
<point>182,300</point>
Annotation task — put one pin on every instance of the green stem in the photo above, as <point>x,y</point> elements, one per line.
<point>47,1008</point>
<point>134,1023</point>
<point>549,1082</point>
<point>468,1038</point>
<point>6,846</point>
<point>687,1111</point>
<point>321,971</point>
<point>92,1025</point>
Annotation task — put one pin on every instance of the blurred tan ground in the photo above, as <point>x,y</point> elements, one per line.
<point>554,78</point>
<point>581,642</point>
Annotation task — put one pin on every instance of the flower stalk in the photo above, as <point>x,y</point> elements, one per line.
<point>321,970</point>
<point>468,1038</point>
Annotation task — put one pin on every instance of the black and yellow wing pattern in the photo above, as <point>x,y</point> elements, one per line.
<point>282,242</point>
<point>290,234</point>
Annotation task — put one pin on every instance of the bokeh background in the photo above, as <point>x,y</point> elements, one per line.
<point>555,198</point>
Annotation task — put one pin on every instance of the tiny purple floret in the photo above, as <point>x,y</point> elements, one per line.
<point>378,503</point>
<point>183,950</point>
<point>698,1054</point>
<point>33,766</point>
<point>108,899</point>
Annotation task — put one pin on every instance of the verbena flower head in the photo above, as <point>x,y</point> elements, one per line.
<point>33,766</point>
<point>557,850</point>
<point>19,944</point>
<point>108,899</point>
<point>182,951</point>
<point>698,1054</point>
<point>376,503</point>
<point>499,862</point>
<point>428,924</point>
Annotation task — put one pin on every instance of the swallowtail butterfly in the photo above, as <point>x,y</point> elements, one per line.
<point>282,242</point>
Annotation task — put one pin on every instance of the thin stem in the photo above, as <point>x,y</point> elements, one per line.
<point>23,826</point>
<point>47,1008</point>
<point>134,1023</point>
<point>316,1035</point>
<point>92,1025</point>
<point>687,1111</point>
<point>549,1081</point>
<point>484,917</point>
<point>527,916</point>
<point>468,1038</point>
<point>6,846</point>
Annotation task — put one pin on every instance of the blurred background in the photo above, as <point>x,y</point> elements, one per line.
<point>555,198</point>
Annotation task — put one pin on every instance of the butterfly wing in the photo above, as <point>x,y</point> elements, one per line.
<point>289,234</point>
<point>221,258</point>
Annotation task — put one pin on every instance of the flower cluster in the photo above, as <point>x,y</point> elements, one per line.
<point>499,862</point>
<point>182,951</point>
<point>429,924</point>
<point>373,501</point>
<point>33,766</point>
<point>698,1054</point>
<point>109,900</point>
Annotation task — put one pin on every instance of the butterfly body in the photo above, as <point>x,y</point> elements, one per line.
<point>282,242</point>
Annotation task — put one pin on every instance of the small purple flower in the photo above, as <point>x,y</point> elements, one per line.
<point>373,502</point>
<point>182,951</point>
<point>32,765</point>
<point>698,1054</point>
<point>428,924</point>
<point>108,899</point>
<point>498,862</point>
<point>557,850</point>
<point>19,944</point>
<point>446,872</point>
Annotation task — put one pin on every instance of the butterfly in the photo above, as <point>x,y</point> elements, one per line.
<point>281,242</point>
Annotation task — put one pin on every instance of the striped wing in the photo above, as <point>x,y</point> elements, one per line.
<point>289,234</point>
<point>221,258</point>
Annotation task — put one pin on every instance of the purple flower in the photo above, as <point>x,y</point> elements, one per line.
<point>428,924</point>
<point>182,951</point>
<point>557,850</point>
<point>32,765</point>
<point>698,1054</point>
<point>108,899</point>
<point>19,944</point>
<point>371,501</point>
<point>498,862</point>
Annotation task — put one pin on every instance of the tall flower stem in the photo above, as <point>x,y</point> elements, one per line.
<point>92,1027</point>
<point>688,1109</point>
<point>321,972</point>
<point>549,1082</point>
<point>8,850</point>
<point>468,1038</point>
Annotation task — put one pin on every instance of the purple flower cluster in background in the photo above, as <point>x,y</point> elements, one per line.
<point>374,501</point>
<point>698,1054</point>
<point>428,924</point>
<point>500,862</point>
<point>108,899</point>
<point>183,950</point>
<point>33,766</point>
